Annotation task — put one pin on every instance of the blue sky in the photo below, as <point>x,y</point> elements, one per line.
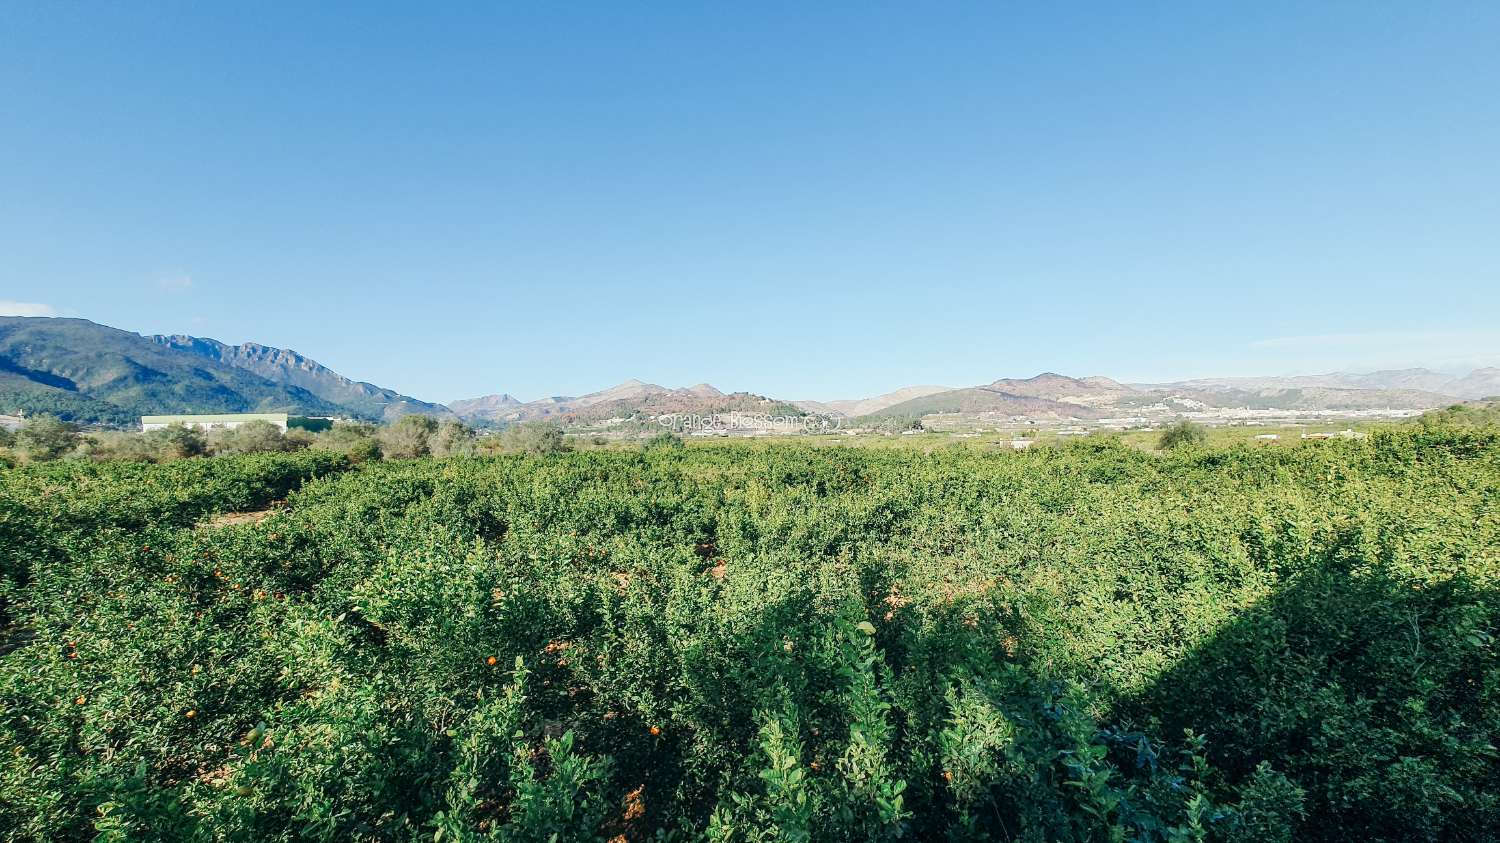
<point>805,200</point>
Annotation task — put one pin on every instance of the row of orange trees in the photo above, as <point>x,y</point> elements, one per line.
<point>736,643</point>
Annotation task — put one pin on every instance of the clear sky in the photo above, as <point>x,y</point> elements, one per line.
<point>808,200</point>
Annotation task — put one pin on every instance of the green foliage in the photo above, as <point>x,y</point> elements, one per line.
<point>764,642</point>
<point>24,396</point>
<point>255,437</point>
<point>355,440</point>
<point>534,438</point>
<point>1474,414</point>
<point>409,437</point>
<point>665,441</point>
<point>309,424</point>
<point>1183,434</point>
<point>175,442</point>
<point>453,439</point>
<point>45,437</point>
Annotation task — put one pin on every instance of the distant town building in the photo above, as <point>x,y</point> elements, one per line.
<point>208,422</point>
<point>1268,436</point>
<point>1347,433</point>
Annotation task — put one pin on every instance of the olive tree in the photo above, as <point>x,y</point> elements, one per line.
<point>175,442</point>
<point>409,438</point>
<point>355,440</point>
<point>1183,434</point>
<point>453,439</point>
<point>46,437</point>
<point>534,438</point>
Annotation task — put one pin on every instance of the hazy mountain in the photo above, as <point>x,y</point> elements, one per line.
<point>89,372</point>
<point>1046,396</point>
<point>485,407</point>
<point>288,367</point>
<point>1473,385</point>
<point>1424,380</point>
<point>1051,396</point>
<point>865,406</point>
<point>1480,383</point>
<point>625,400</point>
<point>1054,387</point>
<point>1304,397</point>
<point>93,373</point>
<point>983,399</point>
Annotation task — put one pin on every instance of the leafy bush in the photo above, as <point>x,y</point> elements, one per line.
<point>534,437</point>
<point>756,642</point>
<point>665,441</point>
<point>1183,434</point>
<point>355,440</point>
<point>453,439</point>
<point>409,437</point>
<point>44,437</point>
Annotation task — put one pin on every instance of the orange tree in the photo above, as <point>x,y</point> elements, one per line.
<point>752,643</point>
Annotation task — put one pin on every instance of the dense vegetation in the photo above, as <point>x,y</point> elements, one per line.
<point>1471,414</point>
<point>759,642</point>
<point>42,438</point>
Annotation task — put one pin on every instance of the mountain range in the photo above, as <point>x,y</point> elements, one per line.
<point>88,372</point>
<point>93,373</point>
<point>631,398</point>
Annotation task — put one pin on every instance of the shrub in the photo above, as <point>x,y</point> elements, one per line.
<point>1183,434</point>
<point>177,442</point>
<point>356,440</point>
<point>758,641</point>
<point>665,441</point>
<point>409,437</point>
<point>534,438</point>
<point>453,439</point>
<point>120,445</point>
<point>44,437</point>
<point>254,437</point>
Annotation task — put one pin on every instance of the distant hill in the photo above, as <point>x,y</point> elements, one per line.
<point>1479,383</point>
<point>92,373</point>
<point>486,408</point>
<point>1091,391</point>
<point>867,406</point>
<point>1305,398</point>
<point>983,399</point>
<point>1047,396</point>
<point>629,399</point>
<point>1050,396</point>
<point>361,399</point>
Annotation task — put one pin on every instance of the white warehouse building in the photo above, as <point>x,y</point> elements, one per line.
<point>208,422</point>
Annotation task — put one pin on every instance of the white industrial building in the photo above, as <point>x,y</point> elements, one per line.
<point>208,422</point>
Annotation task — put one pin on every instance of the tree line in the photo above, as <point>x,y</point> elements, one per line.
<point>44,438</point>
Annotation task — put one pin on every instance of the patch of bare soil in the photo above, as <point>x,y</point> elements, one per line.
<point>226,519</point>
